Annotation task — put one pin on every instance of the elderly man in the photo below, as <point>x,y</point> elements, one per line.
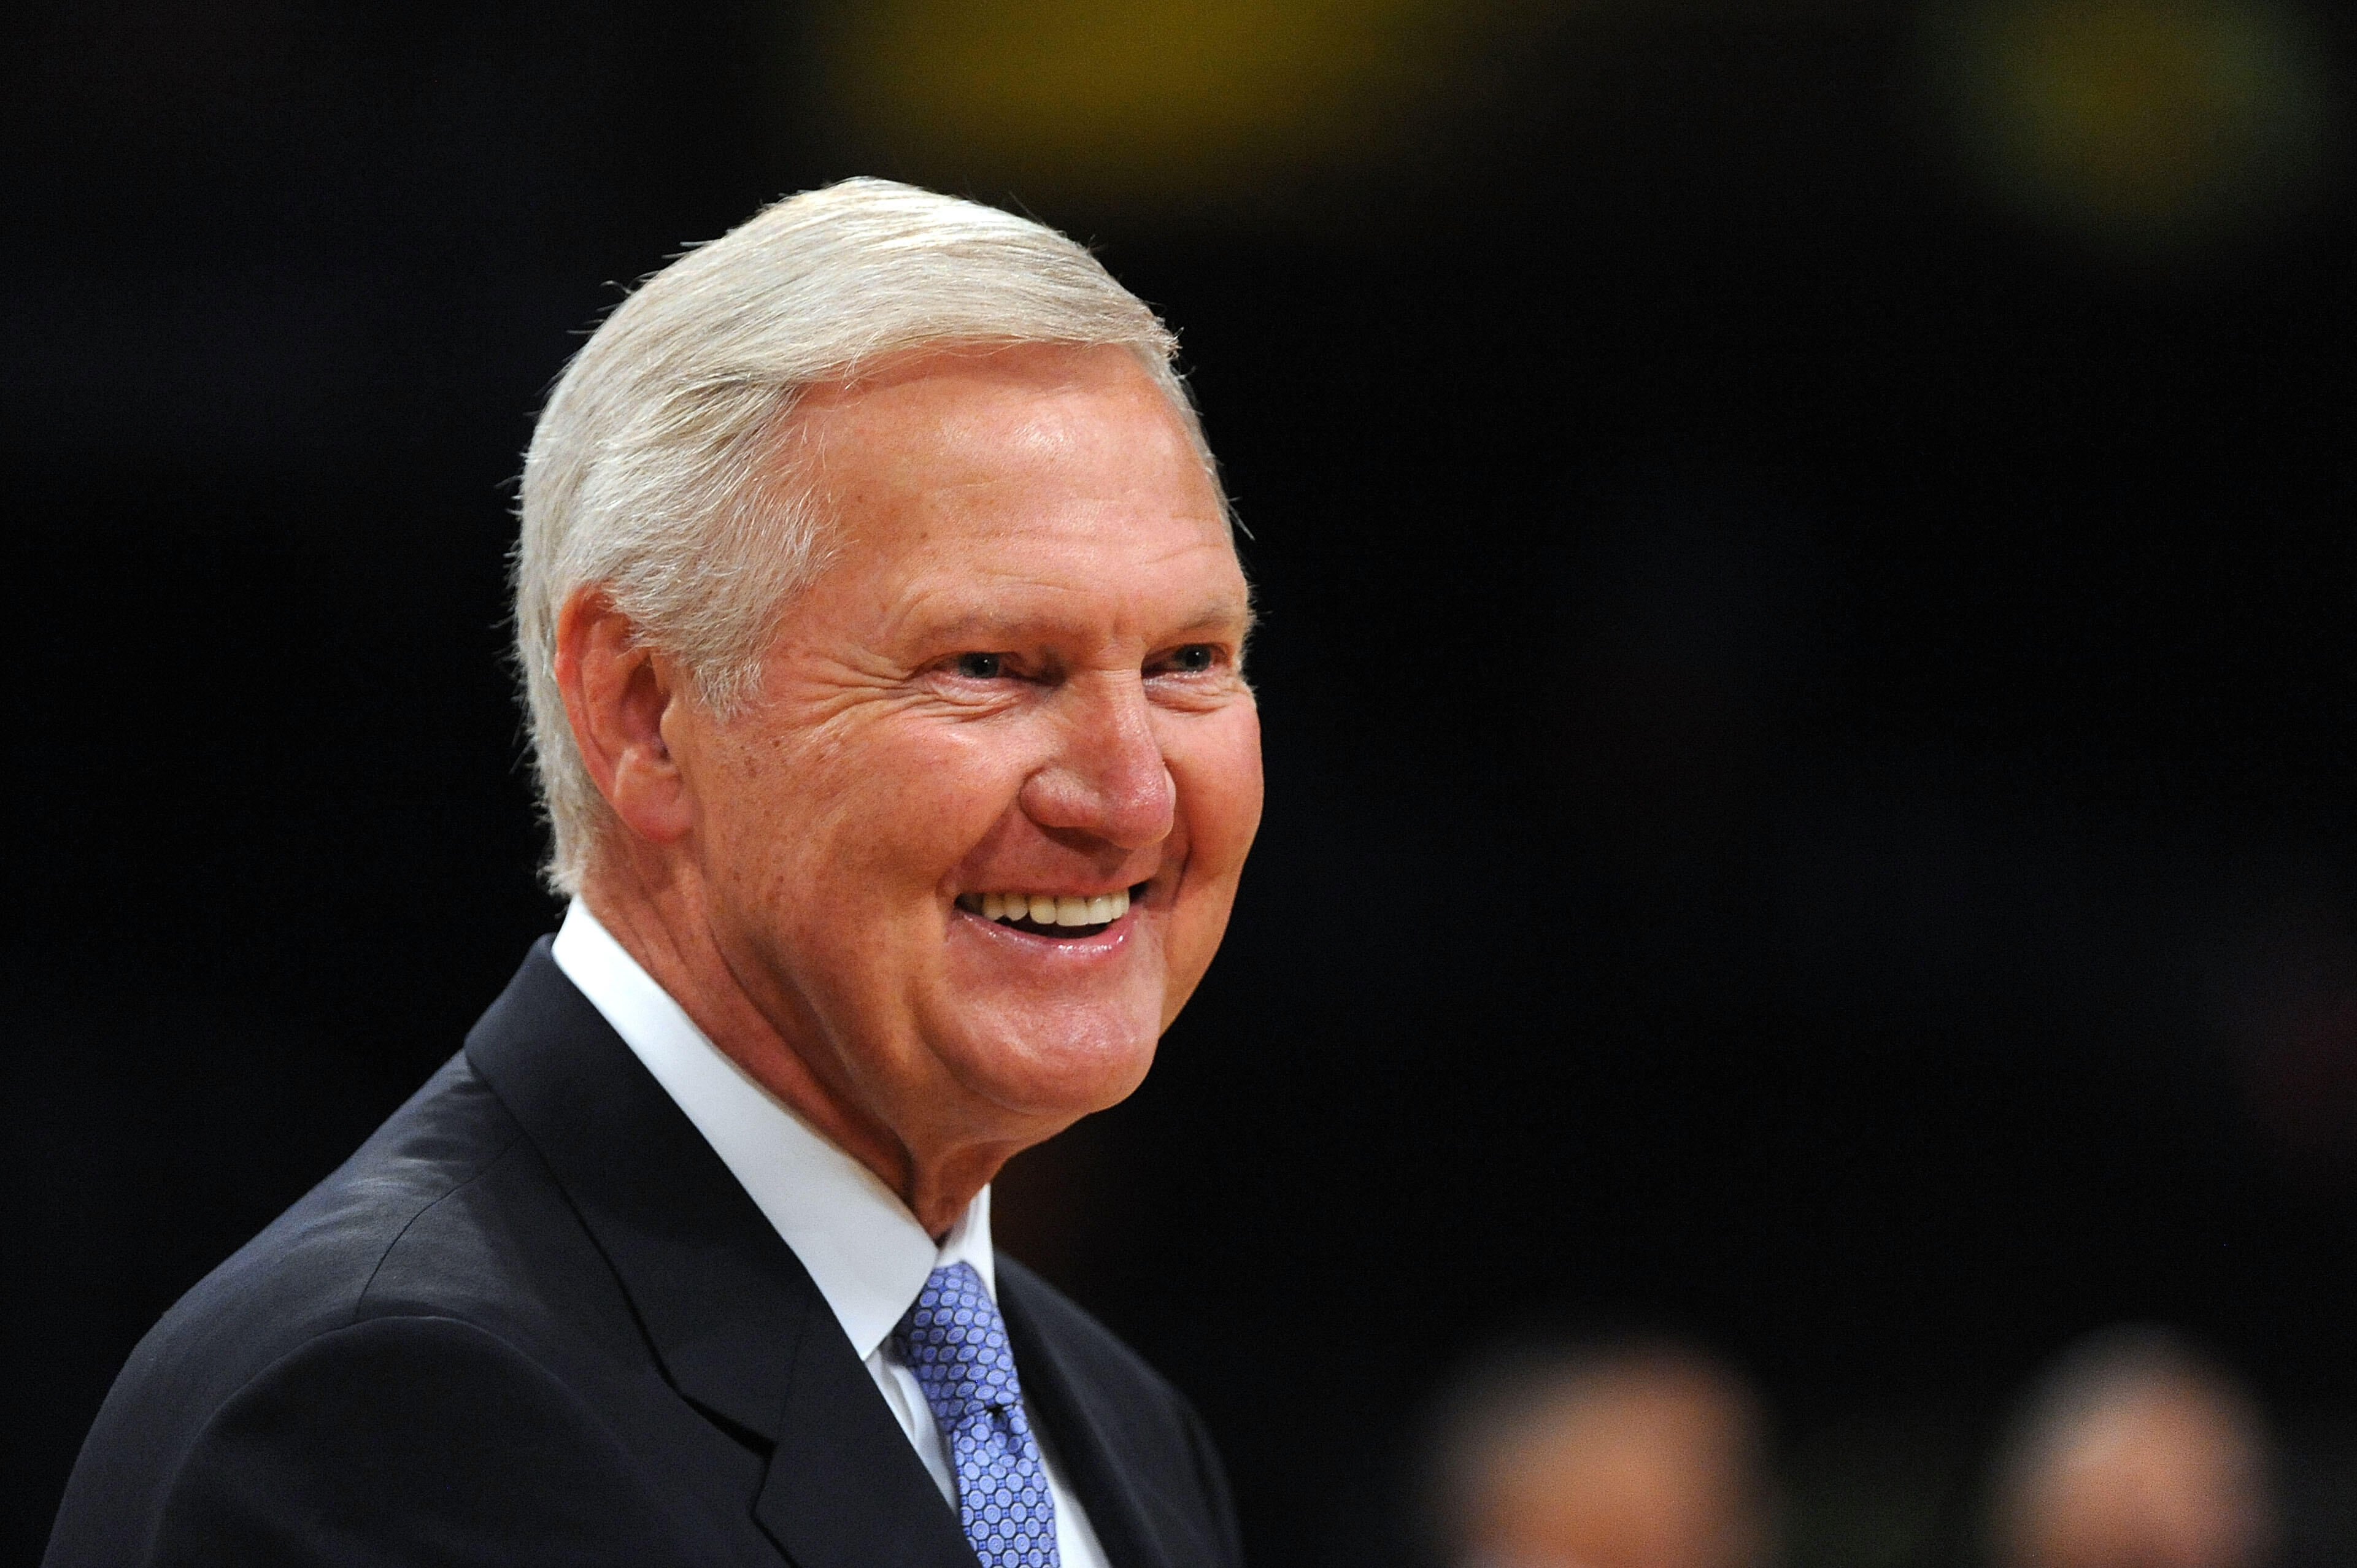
<point>883,638</point>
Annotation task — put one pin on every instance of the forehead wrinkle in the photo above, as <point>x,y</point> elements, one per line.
<point>956,467</point>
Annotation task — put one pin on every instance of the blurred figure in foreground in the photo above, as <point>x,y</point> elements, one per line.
<point>2134,1451</point>
<point>1624,1454</point>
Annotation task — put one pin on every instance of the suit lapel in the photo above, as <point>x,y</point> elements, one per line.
<point>733,1316</point>
<point>1124,1515</point>
<point>851,1493</point>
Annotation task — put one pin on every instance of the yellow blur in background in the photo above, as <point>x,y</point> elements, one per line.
<point>2155,126</point>
<point>2148,125</point>
<point>1143,101</point>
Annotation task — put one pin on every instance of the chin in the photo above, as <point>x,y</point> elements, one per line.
<point>1060,1067</point>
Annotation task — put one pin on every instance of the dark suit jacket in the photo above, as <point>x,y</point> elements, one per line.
<point>534,1320</point>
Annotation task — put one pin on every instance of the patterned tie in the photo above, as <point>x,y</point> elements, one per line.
<point>955,1342</point>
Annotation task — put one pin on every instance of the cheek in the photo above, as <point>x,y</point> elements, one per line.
<point>912,801</point>
<point>1216,766</point>
<point>1219,778</point>
<point>817,820</point>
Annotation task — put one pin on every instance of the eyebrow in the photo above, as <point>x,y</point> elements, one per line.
<point>981,627</point>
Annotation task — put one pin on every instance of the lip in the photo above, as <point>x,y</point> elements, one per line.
<point>1111,939</point>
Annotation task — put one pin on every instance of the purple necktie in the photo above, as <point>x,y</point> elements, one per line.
<point>955,1342</point>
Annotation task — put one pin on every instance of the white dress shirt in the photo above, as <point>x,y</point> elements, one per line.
<point>866,1254</point>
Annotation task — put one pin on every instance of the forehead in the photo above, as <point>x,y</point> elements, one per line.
<point>1013,477</point>
<point>975,414</point>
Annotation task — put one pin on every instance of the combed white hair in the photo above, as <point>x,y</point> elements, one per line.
<point>654,470</point>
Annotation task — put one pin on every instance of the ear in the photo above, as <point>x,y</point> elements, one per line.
<point>618,695</point>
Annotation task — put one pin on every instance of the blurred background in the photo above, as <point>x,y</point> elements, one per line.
<point>1808,668</point>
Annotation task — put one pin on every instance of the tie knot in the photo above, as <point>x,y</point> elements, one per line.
<point>955,1343</point>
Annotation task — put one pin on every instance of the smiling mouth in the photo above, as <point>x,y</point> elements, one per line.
<point>1063,915</point>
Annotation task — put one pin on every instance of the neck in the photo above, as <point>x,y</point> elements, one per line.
<point>659,922</point>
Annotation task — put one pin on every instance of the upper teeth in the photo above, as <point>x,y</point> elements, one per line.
<point>1049,908</point>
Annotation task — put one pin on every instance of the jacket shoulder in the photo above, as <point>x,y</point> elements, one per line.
<point>313,1267</point>
<point>396,1439</point>
<point>422,1222</point>
<point>317,1265</point>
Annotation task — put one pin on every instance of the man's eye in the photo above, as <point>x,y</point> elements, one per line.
<point>981,666</point>
<point>1193,659</point>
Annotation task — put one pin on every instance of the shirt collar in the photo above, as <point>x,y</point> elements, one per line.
<point>866,1254</point>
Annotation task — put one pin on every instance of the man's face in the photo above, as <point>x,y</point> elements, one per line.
<point>1018,680</point>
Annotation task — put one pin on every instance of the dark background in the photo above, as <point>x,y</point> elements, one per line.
<point>1807,667</point>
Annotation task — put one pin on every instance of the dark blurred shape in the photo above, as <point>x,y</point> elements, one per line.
<point>2285,959</point>
<point>1635,1453</point>
<point>2144,126</point>
<point>2307,1089</point>
<point>2134,1452</point>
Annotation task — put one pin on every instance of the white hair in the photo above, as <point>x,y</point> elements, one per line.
<point>653,472</point>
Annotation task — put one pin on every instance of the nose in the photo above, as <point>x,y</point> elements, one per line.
<point>1108,779</point>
